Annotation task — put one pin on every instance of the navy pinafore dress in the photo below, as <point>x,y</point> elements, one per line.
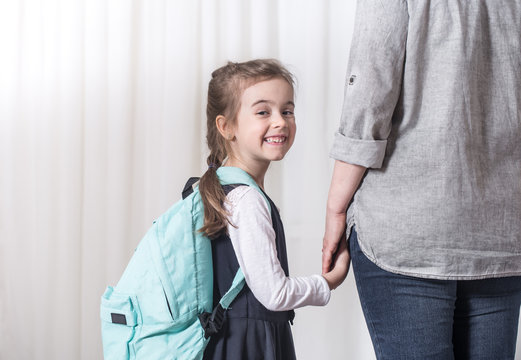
<point>250,331</point>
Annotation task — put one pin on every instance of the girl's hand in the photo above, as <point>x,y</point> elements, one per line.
<point>340,267</point>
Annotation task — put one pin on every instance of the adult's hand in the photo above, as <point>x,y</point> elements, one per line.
<point>333,235</point>
<point>344,183</point>
<point>338,274</point>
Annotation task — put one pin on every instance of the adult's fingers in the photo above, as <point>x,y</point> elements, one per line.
<point>335,232</point>
<point>328,251</point>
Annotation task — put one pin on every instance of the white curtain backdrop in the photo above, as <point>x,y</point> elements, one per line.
<point>101,122</point>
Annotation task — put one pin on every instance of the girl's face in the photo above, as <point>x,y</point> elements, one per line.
<point>265,126</point>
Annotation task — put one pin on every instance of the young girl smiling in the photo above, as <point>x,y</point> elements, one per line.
<point>251,122</point>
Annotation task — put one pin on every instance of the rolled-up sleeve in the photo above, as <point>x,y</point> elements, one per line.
<point>373,82</point>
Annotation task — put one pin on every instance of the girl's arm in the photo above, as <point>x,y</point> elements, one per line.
<point>345,181</point>
<point>253,240</point>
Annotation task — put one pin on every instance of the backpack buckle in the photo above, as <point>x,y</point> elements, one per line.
<point>212,322</point>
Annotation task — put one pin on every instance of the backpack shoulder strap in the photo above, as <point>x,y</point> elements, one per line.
<point>232,175</point>
<point>212,323</point>
<point>235,289</point>
<point>228,175</point>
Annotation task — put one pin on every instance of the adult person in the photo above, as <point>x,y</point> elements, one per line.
<point>432,110</point>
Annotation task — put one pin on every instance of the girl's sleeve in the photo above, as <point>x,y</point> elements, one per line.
<point>253,240</point>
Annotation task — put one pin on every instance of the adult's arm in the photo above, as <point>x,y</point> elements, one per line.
<point>372,90</point>
<point>345,181</point>
<point>373,82</point>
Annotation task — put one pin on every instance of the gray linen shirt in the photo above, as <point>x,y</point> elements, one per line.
<point>433,107</point>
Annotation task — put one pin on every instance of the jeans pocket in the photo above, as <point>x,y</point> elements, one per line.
<point>119,321</point>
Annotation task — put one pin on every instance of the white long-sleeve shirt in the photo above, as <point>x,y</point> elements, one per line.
<point>253,240</point>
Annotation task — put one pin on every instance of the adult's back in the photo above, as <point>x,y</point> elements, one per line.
<point>433,107</point>
<point>432,117</point>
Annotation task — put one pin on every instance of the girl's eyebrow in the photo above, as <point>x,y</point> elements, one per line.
<point>271,102</point>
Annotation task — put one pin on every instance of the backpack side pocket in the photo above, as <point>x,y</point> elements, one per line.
<point>119,320</point>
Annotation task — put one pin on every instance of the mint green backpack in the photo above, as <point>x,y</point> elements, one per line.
<point>161,307</point>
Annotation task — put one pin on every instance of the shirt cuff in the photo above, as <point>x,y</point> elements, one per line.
<point>367,153</point>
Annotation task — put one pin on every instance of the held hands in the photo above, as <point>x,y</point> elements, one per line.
<point>341,262</point>
<point>334,251</point>
<point>335,231</point>
<point>346,179</point>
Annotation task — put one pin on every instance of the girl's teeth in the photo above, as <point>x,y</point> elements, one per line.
<point>276,140</point>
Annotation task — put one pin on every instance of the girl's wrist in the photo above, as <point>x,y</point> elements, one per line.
<point>329,282</point>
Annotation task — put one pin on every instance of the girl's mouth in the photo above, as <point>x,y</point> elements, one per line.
<point>275,139</point>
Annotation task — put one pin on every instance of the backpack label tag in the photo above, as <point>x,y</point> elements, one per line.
<point>118,318</point>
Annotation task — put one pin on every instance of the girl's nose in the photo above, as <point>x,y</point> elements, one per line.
<point>279,121</point>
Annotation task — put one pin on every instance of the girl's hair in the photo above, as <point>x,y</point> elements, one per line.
<point>224,93</point>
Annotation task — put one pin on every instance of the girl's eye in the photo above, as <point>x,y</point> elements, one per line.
<point>288,113</point>
<point>262,112</point>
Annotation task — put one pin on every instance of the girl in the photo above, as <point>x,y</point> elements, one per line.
<point>251,122</point>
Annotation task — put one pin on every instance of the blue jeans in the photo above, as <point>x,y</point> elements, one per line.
<point>415,318</point>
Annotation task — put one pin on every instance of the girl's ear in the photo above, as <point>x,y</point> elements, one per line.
<point>224,127</point>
